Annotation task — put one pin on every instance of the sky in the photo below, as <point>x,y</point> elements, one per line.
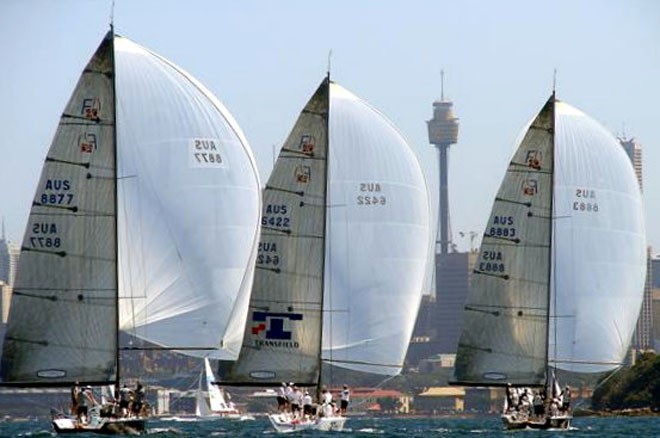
<point>264,59</point>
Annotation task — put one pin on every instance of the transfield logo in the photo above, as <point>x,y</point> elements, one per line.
<point>275,329</point>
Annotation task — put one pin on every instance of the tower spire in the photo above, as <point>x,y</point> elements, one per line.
<point>442,85</point>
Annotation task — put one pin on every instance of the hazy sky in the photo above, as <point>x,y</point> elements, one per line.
<point>264,59</point>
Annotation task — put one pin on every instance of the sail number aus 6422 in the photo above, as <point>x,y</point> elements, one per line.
<point>276,216</point>
<point>372,194</point>
<point>267,254</point>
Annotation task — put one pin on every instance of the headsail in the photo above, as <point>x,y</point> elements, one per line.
<point>379,238</point>
<point>283,332</point>
<point>189,203</point>
<point>63,320</point>
<point>506,313</point>
<point>600,247</point>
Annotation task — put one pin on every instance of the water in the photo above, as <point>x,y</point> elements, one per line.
<point>375,427</point>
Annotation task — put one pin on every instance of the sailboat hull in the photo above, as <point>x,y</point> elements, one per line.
<point>105,426</point>
<point>514,422</point>
<point>285,423</point>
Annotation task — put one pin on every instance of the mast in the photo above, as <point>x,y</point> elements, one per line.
<point>325,229</point>
<point>551,271</point>
<point>115,174</point>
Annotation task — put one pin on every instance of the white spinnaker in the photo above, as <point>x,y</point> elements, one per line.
<point>378,239</point>
<point>600,246</point>
<point>189,206</point>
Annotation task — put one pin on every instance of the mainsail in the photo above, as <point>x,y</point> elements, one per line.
<point>283,332</point>
<point>506,314</point>
<point>149,223</point>
<point>565,297</point>
<point>62,324</point>
<point>373,247</point>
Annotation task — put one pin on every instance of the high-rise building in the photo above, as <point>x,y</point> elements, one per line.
<point>443,132</point>
<point>643,337</point>
<point>4,256</point>
<point>440,317</point>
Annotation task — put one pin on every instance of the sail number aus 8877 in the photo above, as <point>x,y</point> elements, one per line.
<point>53,192</point>
<point>44,235</point>
<point>204,152</point>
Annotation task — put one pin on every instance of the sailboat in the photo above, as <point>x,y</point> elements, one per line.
<point>147,177</point>
<point>559,280</point>
<point>211,401</point>
<point>343,250</point>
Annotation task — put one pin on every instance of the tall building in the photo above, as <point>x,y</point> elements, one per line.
<point>643,337</point>
<point>4,256</point>
<point>440,317</point>
<point>443,132</point>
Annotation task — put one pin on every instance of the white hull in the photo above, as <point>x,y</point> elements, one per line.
<point>285,423</point>
<point>516,421</point>
<point>106,426</point>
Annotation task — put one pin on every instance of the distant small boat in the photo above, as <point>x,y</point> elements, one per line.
<point>560,276</point>
<point>147,176</point>
<point>211,401</point>
<point>344,243</point>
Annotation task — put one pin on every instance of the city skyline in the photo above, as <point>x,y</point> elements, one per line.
<point>264,59</point>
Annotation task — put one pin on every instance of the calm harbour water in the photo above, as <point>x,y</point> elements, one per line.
<point>372,427</point>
